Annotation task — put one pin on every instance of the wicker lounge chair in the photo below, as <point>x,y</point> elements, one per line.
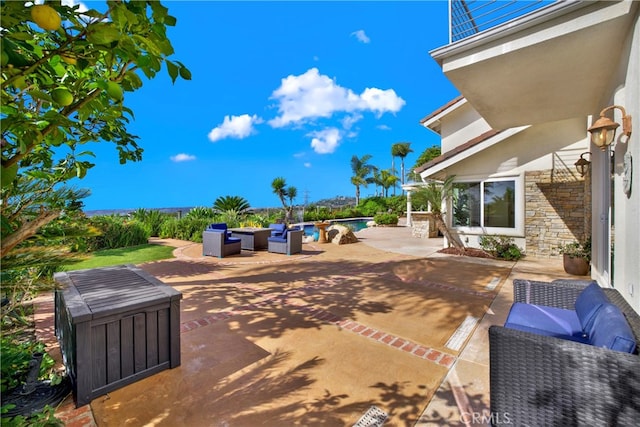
<point>547,381</point>
<point>287,242</point>
<point>216,241</point>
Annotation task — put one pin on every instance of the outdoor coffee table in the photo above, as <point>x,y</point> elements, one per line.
<point>252,238</point>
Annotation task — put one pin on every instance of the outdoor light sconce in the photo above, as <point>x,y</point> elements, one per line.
<point>603,131</point>
<point>582,165</point>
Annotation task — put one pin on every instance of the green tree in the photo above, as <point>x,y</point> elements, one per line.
<point>387,180</point>
<point>231,203</point>
<point>361,171</point>
<point>425,157</point>
<point>402,150</point>
<point>435,193</point>
<point>286,196</point>
<point>63,86</point>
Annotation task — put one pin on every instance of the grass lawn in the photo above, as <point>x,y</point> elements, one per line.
<point>130,255</point>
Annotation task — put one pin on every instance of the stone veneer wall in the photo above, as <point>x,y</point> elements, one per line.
<point>558,210</point>
<point>423,225</point>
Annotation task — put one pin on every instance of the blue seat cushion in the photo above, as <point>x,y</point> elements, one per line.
<point>228,239</point>
<point>277,229</point>
<point>217,227</point>
<point>543,320</point>
<point>611,330</point>
<point>590,300</point>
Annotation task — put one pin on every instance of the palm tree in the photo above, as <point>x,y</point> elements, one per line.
<point>435,193</point>
<point>231,203</point>
<point>285,194</point>
<point>402,150</point>
<point>387,180</point>
<point>376,179</point>
<point>361,170</point>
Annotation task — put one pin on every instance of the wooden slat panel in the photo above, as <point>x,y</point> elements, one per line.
<point>126,347</point>
<point>139,343</point>
<point>99,354</point>
<point>163,336</point>
<point>152,338</point>
<point>113,352</point>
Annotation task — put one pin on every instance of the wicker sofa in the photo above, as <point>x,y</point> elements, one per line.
<point>544,380</point>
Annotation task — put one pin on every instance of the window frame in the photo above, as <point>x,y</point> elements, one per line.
<point>519,206</point>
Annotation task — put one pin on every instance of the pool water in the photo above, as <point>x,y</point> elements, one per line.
<point>354,224</point>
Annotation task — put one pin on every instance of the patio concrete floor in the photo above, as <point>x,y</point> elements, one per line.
<point>321,337</point>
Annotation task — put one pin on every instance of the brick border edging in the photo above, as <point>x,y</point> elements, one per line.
<point>415,349</point>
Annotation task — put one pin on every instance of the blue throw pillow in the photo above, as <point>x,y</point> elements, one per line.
<point>611,330</point>
<point>590,300</point>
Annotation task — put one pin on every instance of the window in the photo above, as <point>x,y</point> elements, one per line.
<point>485,204</point>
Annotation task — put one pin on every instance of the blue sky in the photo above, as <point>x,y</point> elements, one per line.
<point>279,89</point>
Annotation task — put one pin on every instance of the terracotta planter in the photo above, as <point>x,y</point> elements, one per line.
<point>575,265</point>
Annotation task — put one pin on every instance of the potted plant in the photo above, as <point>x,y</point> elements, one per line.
<point>576,257</point>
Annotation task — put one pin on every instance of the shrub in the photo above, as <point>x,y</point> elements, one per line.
<point>501,247</point>
<point>15,363</point>
<point>373,206</point>
<point>386,219</point>
<point>577,249</point>
<point>185,229</point>
<point>117,232</point>
<point>151,218</point>
<point>200,212</point>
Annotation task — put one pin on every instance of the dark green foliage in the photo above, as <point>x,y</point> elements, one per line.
<point>46,418</point>
<point>501,247</point>
<point>15,362</point>
<point>386,219</point>
<point>231,203</point>
<point>397,204</point>
<point>373,205</point>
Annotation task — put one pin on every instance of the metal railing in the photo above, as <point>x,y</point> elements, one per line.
<point>469,17</point>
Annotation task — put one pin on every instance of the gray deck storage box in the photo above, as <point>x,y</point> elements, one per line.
<point>115,325</point>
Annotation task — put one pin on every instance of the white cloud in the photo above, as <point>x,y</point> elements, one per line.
<point>383,127</point>
<point>235,127</point>
<point>361,36</point>
<point>182,157</point>
<point>325,141</point>
<point>71,3</point>
<point>307,165</point>
<point>381,101</point>
<point>311,95</point>
<point>350,120</point>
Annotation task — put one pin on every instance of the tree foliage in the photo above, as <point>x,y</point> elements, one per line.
<point>435,194</point>
<point>402,150</point>
<point>231,203</point>
<point>64,87</point>
<point>361,171</point>
<point>286,194</point>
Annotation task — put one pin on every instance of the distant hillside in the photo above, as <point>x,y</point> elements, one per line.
<point>335,202</point>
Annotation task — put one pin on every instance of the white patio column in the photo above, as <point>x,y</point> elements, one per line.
<point>408,208</point>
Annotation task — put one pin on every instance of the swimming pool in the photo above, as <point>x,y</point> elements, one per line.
<point>356,224</point>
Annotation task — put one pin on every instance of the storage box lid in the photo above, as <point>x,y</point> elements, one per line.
<point>104,291</point>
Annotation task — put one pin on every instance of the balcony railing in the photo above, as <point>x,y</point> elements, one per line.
<point>469,17</point>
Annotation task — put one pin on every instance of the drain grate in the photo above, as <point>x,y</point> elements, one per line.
<point>374,417</point>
